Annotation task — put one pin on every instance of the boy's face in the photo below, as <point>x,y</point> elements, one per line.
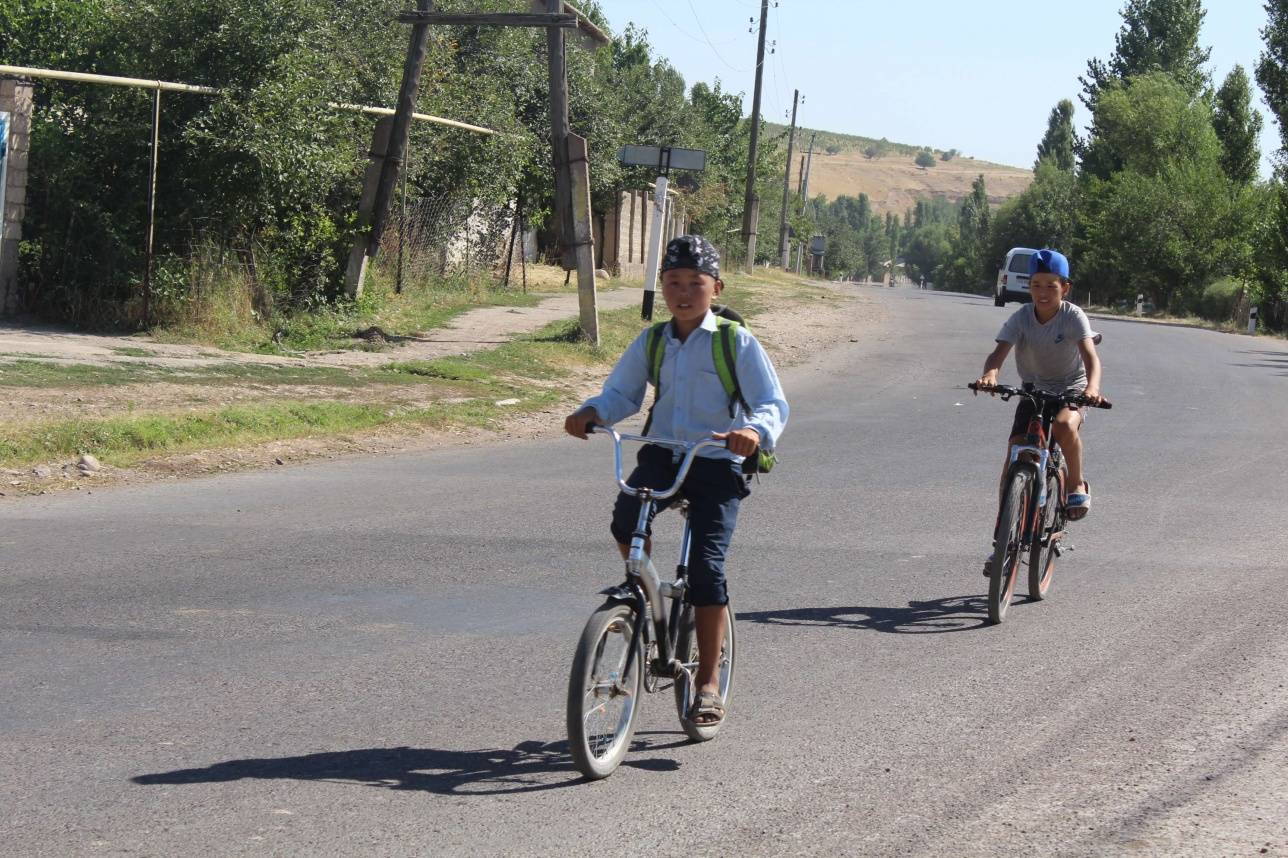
<point>1046,290</point>
<point>689,293</point>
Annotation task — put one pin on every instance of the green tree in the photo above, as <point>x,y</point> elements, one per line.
<point>1272,77</point>
<point>1169,220</point>
<point>1272,66</point>
<point>1156,35</point>
<point>1044,215</point>
<point>925,158</point>
<point>1237,126</point>
<point>1057,144</point>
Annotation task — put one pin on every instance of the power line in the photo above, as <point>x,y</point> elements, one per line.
<point>710,43</point>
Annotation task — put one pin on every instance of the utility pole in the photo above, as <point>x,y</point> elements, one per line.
<point>390,154</point>
<point>558,77</point>
<point>787,182</point>
<point>751,203</point>
<point>809,162</point>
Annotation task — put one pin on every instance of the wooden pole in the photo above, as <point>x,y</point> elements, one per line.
<point>152,207</point>
<point>391,165</point>
<point>583,236</point>
<point>558,74</point>
<point>751,202</point>
<point>787,183</point>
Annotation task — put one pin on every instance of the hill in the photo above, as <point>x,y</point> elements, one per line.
<point>890,179</point>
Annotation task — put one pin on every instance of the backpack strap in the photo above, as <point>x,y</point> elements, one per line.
<point>724,354</point>
<point>654,351</point>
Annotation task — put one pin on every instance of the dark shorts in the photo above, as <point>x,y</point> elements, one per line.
<point>714,489</point>
<point>1024,412</point>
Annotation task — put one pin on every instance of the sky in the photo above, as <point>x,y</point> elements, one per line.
<point>977,77</point>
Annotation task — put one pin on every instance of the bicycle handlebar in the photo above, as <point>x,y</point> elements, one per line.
<point>1006,392</point>
<point>690,449</point>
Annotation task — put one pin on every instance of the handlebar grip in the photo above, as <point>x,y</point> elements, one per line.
<point>1105,404</point>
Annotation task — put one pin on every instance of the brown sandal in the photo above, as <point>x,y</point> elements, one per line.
<point>707,710</point>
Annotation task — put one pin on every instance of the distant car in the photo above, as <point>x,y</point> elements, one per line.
<point>1013,277</point>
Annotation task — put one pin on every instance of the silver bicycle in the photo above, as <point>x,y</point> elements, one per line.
<point>633,643</point>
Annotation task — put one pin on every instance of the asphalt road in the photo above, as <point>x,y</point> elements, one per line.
<point>370,656</point>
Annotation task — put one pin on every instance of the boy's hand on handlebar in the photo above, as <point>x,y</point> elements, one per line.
<point>988,379</point>
<point>1092,395</point>
<point>579,421</point>
<point>742,442</point>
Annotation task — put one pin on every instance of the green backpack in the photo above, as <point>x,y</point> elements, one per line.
<point>724,353</point>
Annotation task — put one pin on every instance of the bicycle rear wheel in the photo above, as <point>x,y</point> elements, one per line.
<point>603,702</point>
<point>1046,532</point>
<point>1009,544</point>
<point>686,650</point>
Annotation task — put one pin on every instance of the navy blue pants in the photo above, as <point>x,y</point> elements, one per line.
<point>714,489</point>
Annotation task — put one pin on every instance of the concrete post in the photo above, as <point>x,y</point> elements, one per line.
<point>1252,321</point>
<point>16,102</point>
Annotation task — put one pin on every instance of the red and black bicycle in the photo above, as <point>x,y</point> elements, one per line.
<point>1032,515</point>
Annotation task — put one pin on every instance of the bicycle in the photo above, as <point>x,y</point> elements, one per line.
<point>633,642</point>
<point>1029,519</point>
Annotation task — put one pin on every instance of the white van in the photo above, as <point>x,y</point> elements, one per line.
<point>1013,277</point>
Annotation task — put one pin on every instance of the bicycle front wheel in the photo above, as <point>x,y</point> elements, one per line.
<point>1046,533</point>
<point>686,650</point>
<point>1009,544</point>
<point>603,699</point>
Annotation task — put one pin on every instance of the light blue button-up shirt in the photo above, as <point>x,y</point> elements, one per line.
<point>693,403</point>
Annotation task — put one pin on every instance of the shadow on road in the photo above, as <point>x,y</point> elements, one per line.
<point>936,616</point>
<point>1265,360</point>
<point>528,767</point>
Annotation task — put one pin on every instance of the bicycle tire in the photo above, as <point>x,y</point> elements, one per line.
<point>686,650</point>
<point>1042,551</point>
<point>1009,544</point>
<point>594,684</point>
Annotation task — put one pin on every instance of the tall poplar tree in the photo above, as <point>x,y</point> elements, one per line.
<point>1237,126</point>
<point>1058,143</point>
<point>1156,35</point>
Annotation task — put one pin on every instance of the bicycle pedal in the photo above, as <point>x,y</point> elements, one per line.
<point>1062,547</point>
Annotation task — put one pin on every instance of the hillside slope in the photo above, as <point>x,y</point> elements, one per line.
<point>891,180</point>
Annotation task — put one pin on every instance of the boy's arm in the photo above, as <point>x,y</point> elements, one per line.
<point>622,395</point>
<point>764,394</point>
<point>993,363</point>
<point>1091,360</point>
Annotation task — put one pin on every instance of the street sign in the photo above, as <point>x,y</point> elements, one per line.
<point>664,158</point>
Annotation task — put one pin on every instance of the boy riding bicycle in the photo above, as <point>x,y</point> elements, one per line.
<point>1055,351</point>
<point>692,404</point>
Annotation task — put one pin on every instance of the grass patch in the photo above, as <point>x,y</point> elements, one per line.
<point>133,351</point>
<point>222,314</point>
<point>123,441</point>
<point>462,391</point>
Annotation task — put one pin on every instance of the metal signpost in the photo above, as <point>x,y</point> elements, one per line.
<point>665,159</point>
<point>4,151</point>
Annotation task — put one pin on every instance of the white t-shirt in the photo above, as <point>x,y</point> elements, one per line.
<point>1047,355</point>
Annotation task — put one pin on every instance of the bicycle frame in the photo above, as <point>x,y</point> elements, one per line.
<point>647,588</point>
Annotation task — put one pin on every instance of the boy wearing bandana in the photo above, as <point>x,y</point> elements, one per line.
<point>692,405</point>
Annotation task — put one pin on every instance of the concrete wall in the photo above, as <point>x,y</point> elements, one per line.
<point>15,97</point>
<point>621,243</point>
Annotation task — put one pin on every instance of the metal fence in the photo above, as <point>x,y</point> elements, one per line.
<point>433,238</point>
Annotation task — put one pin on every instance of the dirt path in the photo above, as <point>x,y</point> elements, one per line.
<point>478,329</point>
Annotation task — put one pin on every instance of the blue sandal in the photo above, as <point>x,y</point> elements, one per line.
<point>1078,504</point>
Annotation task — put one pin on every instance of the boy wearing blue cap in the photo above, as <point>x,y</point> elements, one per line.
<point>1055,351</point>
<point>692,404</point>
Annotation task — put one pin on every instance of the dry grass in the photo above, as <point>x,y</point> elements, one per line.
<point>894,183</point>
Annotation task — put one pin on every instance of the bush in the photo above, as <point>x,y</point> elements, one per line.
<point>1220,300</point>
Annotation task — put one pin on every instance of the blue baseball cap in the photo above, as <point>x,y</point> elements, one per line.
<point>1048,261</point>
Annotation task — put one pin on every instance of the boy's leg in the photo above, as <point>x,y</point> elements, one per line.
<point>653,469</point>
<point>715,489</point>
<point>1065,428</point>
